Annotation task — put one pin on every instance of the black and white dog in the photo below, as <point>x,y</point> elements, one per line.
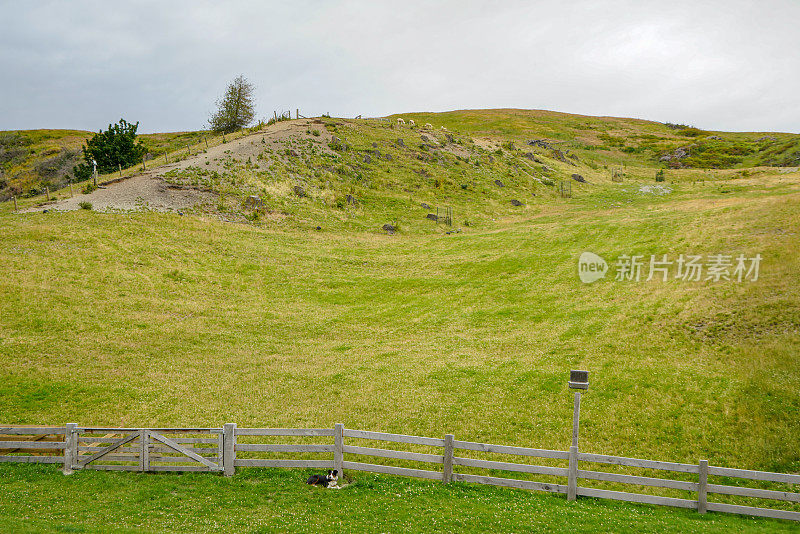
<point>326,481</point>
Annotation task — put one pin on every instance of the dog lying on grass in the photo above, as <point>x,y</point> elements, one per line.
<point>331,480</point>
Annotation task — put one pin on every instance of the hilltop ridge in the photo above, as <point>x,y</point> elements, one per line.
<point>479,165</point>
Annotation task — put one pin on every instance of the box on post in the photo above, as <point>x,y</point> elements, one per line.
<point>579,379</point>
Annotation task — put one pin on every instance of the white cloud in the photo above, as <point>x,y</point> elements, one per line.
<point>720,65</point>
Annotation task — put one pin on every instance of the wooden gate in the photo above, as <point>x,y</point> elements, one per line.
<point>142,449</point>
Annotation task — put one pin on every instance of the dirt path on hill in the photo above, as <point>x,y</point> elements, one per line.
<point>149,191</point>
<point>146,191</point>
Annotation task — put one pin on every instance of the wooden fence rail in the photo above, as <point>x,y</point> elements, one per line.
<point>224,449</point>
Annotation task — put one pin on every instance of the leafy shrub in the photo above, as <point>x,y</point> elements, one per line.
<point>660,175</point>
<point>85,205</point>
<point>88,188</point>
<point>115,146</point>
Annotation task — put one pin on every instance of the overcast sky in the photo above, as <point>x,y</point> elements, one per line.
<point>727,65</point>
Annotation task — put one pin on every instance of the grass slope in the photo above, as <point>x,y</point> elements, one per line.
<point>147,319</point>
<point>422,334</point>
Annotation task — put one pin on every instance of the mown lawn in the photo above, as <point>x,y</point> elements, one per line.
<point>150,319</point>
<point>40,499</point>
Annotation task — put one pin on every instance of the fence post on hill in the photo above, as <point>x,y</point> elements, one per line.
<point>702,488</point>
<point>338,447</point>
<point>447,464</point>
<point>70,446</point>
<point>47,193</point>
<point>15,202</point>
<point>70,189</point>
<point>228,448</point>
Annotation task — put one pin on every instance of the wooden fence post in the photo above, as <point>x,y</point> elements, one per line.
<point>47,193</point>
<point>229,449</point>
<point>144,167</point>
<point>144,457</point>
<point>119,166</point>
<point>572,480</point>
<point>576,418</point>
<point>206,140</point>
<point>702,489</point>
<point>70,189</point>
<point>70,447</point>
<point>338,447</point>
<point>447,468</point>
<point>15,202</point>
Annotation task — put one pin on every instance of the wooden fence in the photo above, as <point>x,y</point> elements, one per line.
<point>224,449</point>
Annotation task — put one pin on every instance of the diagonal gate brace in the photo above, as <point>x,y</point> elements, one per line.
<point>115,445</point>
<point>183,450</point>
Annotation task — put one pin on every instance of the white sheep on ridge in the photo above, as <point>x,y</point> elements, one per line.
<point>411,122</point>
<point>428,126</point>
<point>400,121</point>
<point>443,128</point>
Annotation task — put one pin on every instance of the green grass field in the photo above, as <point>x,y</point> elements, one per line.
<point>39,499</point>
<point>147,319</point>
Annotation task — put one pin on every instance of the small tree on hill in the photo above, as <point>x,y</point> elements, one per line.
<point>236,109</point>
<point>116,146</point>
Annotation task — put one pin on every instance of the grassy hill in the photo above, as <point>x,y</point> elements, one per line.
<point>605,141</point>
<point>33,159</point>
<point>149,319</point>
